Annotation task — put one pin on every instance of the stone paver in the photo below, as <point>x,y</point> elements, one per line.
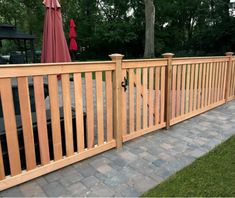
<point>141,163</point>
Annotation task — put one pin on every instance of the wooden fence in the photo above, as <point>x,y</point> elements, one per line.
<point>97,106</point>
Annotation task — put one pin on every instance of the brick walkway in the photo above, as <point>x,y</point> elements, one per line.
<point>141,164</point>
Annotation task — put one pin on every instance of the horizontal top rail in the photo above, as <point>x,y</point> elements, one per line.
<point>8,71</point>
<point>138,63</point>
<point>195,60</point>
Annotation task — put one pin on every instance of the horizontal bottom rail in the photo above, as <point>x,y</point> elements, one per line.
<point>139,133</point>
<point>53,166</point>
<point>195,113</point>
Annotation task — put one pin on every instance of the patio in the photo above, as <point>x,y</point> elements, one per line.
<point>140,164</point>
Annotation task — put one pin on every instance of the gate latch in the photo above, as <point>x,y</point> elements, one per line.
<point>124,84</point>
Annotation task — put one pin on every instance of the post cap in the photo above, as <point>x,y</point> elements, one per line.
<point>168,55</point>
<point>229,53</point>
<point>116,56</point>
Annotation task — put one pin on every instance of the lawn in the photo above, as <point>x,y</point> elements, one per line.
<point>212,175</point>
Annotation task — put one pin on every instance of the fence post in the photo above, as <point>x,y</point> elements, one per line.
<point>117,87</point>
<point>228,71</point>
<point>168,102</point>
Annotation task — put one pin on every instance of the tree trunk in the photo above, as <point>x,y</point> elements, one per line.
<point>149,29</point>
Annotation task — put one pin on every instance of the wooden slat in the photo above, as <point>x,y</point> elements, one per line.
<point>123,107</point>
<point>232,80</point>
<point>109,106</point>
<point>2,171</point>
<point>150,95</point>
<point>173,98</point>
<point>214,65</point>
<point>55,116</point>
<point>222,81</point>
<point>210,84</point>
<point>10,126</point>
<point>41,119</point>
<point>203,85</point>
<point>191,88</point>
<point>183,88</point>
<point>131,64</point>
<point>79,111</point>
<point>195,88</point>
<point>188,88</point>
<point>199,96</point>
<point>207,84</point>
<point>178,102</point>
<point>145,117</point>
<point>163,89</point>
<point>57,68</point>
<point>157,96</point>
<point>198,60</point>
<point>218,75</point>
<point>131,100</point>
<point>25,109</point>
<point>100,106</point>
<point>225,78</point>
<point>90,109</point>
<point>67,115</point>
<point>138,99</point>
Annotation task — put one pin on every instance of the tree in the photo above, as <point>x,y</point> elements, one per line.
<point>149,29</point>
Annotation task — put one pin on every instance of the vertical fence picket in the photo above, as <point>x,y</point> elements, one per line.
<point>67,114</point>
<point>188,88</point>
<point>109,105</point>
<point>55,116</point>
<point>79,112</point>
<point>145,92</point>
<point>150,96</point>
<point>195,88</point>
<point>138,99</point>
<point>10,126</point>
<point>199,96</point>
<point>203,85</point>
<point>178,102</point>
<point>99,106</point>
<point>183,88</point>
<point>41,119</point>
<point>173,98</point>
<point>90,109</point>
<point>131,100</point>
<point>25,109</point>
<point>191,88</point>
<point>123,107</point>
<point>157,99</point>
<point>163,90</point>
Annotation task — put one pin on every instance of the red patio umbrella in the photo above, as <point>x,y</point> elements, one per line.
<point>54,48</point>
<point>72,35</point>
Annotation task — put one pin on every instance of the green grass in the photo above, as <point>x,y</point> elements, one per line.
<point>212,175</point>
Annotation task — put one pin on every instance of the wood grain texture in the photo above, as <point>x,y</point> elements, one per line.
<point>131,101</point>
<point>41,119</point>
<point>145,96</point>
<point>188,88</point>
<point>195,88</point>
<point>138,99</point>
<point>191,88</point>
<point>10,126</point>
<point>55,116</point>
<point>199,96</point>
<point>67,115</point>
<point>100,106</point>
<point>89,109</point>
<point>178,94</point>
<point>157,96</point>
<point>26,118</point>
<point>183,88</point>
<point>109,105</point>
<point>150,95</point>
<point>173,98</point>
<point>79,111</point>
<point>123,107</point>
<point>163,89</point>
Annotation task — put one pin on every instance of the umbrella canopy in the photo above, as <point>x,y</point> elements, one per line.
<point>72,34</point>
<point>54,48</point>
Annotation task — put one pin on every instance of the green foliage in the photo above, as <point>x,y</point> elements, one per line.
<point>212,175</point>
<point>185,27</point>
